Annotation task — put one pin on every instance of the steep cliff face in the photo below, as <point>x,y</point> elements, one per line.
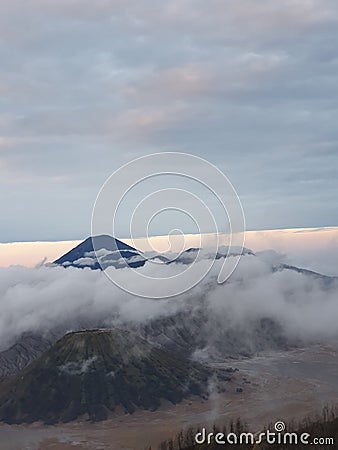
<point>93,372</point>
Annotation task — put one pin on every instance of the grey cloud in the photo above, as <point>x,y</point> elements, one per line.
<point>248,85</point>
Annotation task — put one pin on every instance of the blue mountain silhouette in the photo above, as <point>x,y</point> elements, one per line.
<point>109,252</point>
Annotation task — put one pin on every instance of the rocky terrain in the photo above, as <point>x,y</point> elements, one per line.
<point>24,351</point>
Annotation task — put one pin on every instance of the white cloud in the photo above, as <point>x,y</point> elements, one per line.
<point>48,298</point>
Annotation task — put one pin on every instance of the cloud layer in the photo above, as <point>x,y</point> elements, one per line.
<point>45,299</point>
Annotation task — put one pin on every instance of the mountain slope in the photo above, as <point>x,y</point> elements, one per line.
<point>29,347</point>
<point>92,373</point>
<point>110,252</point>
<point>194,253</point>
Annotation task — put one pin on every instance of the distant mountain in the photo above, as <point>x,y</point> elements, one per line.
<point>94,372</point>
<point>29,347</point>
<point>310,273</point>
<point>191,254</point>
<point>192,332</point>
<point>109,252</point>
<point>113,252</point>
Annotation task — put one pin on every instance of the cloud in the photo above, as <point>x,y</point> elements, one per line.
<point>86,87</point>
<point>72,368</point>
<point>302,307</point>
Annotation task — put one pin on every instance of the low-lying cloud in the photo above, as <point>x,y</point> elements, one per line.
<point>44,299</point>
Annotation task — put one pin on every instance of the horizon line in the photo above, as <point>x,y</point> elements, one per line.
<point>296,229</point>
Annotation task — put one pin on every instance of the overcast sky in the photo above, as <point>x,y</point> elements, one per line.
<point>86,86</point>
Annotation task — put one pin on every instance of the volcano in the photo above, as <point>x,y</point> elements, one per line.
<point>99,252</point>
<point>91,373</point>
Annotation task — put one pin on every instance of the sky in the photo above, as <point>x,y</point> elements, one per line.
<point>310,248</point>
<point>87,86</point>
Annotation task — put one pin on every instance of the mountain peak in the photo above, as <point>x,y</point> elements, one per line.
<point>100,251</point>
